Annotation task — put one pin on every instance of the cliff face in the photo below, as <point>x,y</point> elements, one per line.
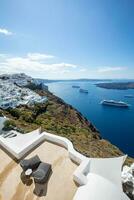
<point>59,118</point>
<point>85,137</point>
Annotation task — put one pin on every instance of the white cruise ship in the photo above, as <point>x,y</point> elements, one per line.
<point>114,103</point>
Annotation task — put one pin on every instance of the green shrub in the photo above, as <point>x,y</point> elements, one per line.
<point>1,114</point>
<point>39,109</point>
<point>27,116</point>
<point>38,121</point>
<point>9,125</point>
<point>15,112</point>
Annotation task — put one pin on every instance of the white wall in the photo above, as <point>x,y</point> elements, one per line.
<point>86,173</point>
<point>23,143</point>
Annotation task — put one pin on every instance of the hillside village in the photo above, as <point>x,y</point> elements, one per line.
<point>13,92</point>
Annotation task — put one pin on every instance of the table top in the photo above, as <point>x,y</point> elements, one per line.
<point>28,172</point>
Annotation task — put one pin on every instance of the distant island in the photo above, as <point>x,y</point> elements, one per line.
<point>39,80</point>
<point>117,85</point>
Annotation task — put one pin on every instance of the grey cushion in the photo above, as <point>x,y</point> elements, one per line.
<point>42,173</point>
<point>31,163</point>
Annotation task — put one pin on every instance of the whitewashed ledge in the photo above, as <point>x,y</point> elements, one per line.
<point>82,170</point>
<point>96,177</point>
<point>20,145</point>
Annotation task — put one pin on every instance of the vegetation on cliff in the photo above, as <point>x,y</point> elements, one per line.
<point>59,118</point>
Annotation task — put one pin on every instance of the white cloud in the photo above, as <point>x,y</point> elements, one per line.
<point>5,31</point>
<point>34,64</point>
<point>110,69</point>
<point>39,56</point>
<point>63,65</point>
<point>3,55</point>
<point>83,70</point>
<point>49,66</point>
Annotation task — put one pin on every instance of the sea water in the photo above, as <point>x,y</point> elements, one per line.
<point>115,124</point>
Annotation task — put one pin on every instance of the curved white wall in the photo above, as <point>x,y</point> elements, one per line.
<point>20,145</point>
<point>79,175</point>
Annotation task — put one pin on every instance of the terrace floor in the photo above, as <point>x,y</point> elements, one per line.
<point>60,185</point>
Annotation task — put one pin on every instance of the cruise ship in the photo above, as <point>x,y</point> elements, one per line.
<point>83,91</point>
<point>114,103</point>
<point>75,86</point>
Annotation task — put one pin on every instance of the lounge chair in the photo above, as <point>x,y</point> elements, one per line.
<point>42,173</point>
<point>8,135</point>
<point>31,163</point>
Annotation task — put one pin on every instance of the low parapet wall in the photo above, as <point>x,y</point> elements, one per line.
<point>20,145</point>
<point>82,170</point>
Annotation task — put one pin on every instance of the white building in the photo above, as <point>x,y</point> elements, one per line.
<point>11,95</point>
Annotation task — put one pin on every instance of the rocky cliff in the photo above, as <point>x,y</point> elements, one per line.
<point>59,118</point>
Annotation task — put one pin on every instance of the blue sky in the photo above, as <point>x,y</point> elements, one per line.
<point>67,38</point>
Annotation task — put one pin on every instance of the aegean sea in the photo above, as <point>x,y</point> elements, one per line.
<point>115,124</point>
